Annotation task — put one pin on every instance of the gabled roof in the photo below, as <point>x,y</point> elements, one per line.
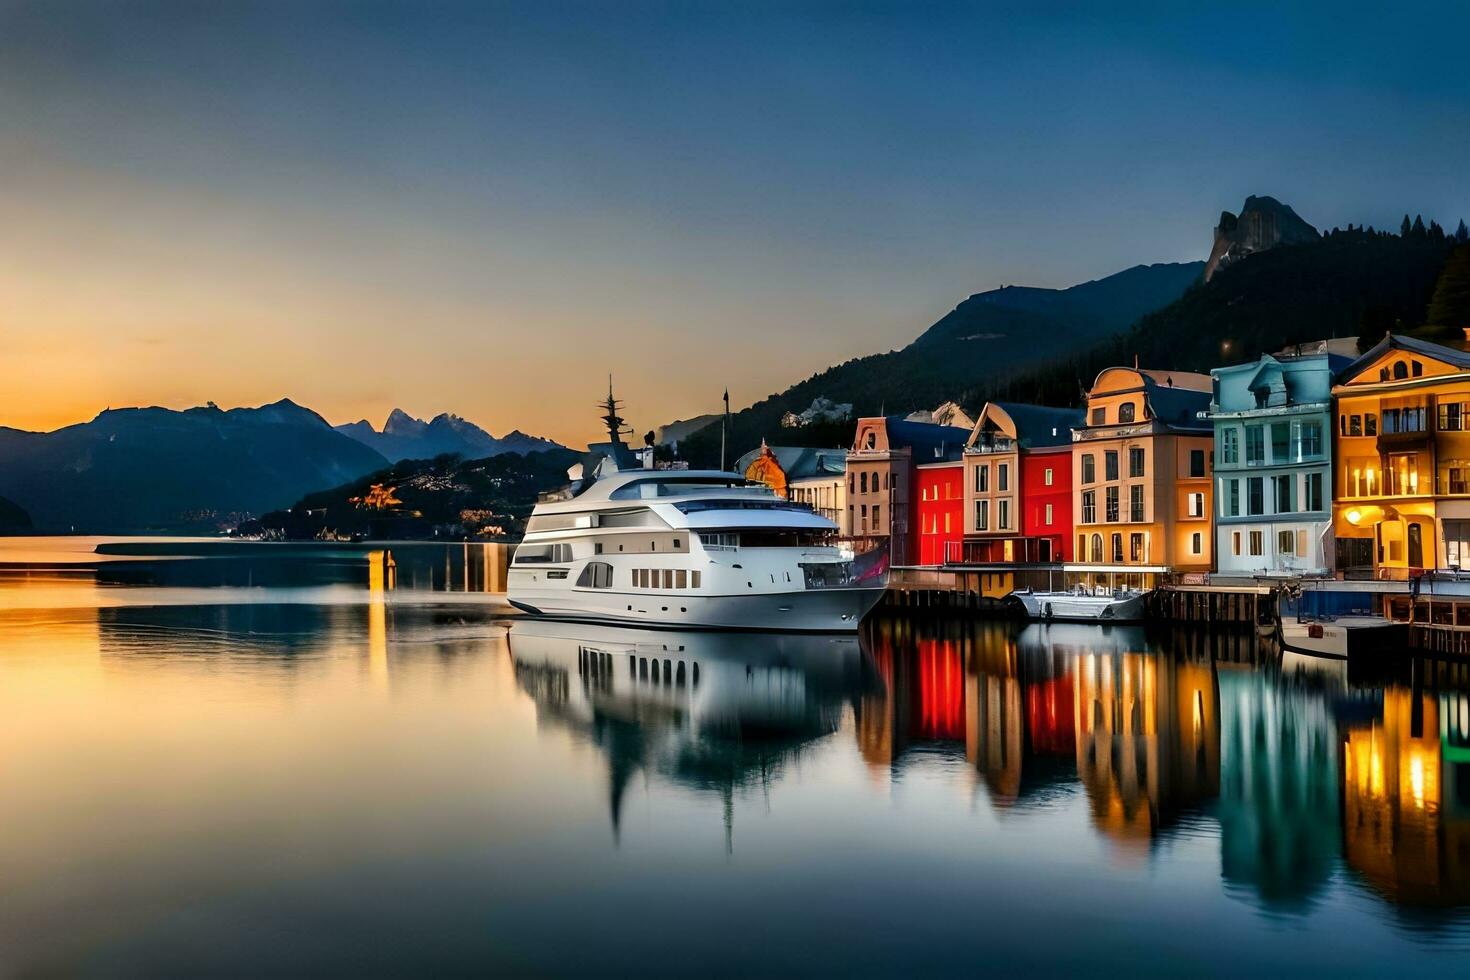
<point>930,443</point>
<point>1394,341</point>
<point>1038,426</point>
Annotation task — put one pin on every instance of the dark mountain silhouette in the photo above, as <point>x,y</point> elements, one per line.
<point>1262,224</point>
<point>1355,283</point>
<point>990,335</point>
<point>13,518</point>
<point>143,469</point>
<point>406,437</point>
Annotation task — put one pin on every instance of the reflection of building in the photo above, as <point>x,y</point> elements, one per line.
<point>815,477</point>
<point>1406,798</point>
<point>1148,739</point>
<point>1403,459</point>
<point>1278,787</point>
<point>1141,471</point>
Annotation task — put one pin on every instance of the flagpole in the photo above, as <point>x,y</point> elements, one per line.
<point>724,428</point>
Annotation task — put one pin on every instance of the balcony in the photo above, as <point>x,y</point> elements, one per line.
<point>985,446</point>
<point>1399,442</point>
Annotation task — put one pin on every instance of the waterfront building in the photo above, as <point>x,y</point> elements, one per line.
<point>940,511</point>
<point>1402,460</point>
<point>1141,467</point>
<point>882,479</point>
<point>1273,464</point>
<point>1018,484</point>
<point>815,477</point>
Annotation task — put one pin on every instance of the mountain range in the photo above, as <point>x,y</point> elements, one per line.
<point>201,469</point>
<point>406,437</point>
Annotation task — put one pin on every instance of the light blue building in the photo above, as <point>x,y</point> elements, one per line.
<point>1273,463</point>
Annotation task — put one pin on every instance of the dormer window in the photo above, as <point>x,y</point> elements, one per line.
<point>1418,371</point>
<point>1099,416</point>
<point>1383,374</point>
<point>1125,412</point>
<point>1400,371</point>
<point>870,440</point>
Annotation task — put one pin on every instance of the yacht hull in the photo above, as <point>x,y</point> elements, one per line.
<point>811,611</point>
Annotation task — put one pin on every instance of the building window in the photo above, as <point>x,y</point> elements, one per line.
<point>1285,485</point>
<point>1452,416</point>
<point>1255,496</point>
<point>1314,492</point>
<point>1417,369</point>
<point>1099,416</point>
<point>852,483</point>
<point>1196,462</point>
<point>1118,549</point>
<point>1048,522</point>
<point>1230,445</point>
<point>1280,442</point>
<point>982,515</point>
<point>1135,548</point>
<point>1089,507</point>
<point>1257,544</point>
<point>1089,468</point>
<point>1135,461</point>
<point>982,478</point>
<point>1311,440</point>
<point>1125,412</point>
<point>1235,543</point>
<point>1196,543</point>
<point>1003,477</point>
<point>1097,552</point>
<point>1196,505</point>
<point>1355,425</point>
<point>1230,507</point>
<point>1370,424</point>
<point>1286,542</point>
<point>1457,543</point>
<point>1111,500</point>
<point>876,522</point>
<point>1135,503</point>
<point>1255,446</point>
<point>863,483</point>
<point>1047,477</point>
<point>1110,465</point>
<point>1003,514</point>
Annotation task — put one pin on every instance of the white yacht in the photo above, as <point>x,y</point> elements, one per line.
<point>686,548</point>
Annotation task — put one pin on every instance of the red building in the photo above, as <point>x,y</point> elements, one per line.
<point>1046,501</point>
<point>941,511</point>
<point>1018,484</point>
<point>883,469</point>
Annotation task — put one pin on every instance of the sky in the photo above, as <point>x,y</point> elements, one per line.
<point>487,208</point>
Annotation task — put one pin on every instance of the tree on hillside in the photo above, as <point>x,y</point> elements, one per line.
<point>1450,304</point>
<point>1404,228</point>
<point>1418,231</point>
<point>1462,234</point>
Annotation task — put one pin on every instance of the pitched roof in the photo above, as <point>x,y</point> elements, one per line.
<point>1041,425</point>
<point>1394,341</point>
<point>800,462</point>
<point>930,443</point>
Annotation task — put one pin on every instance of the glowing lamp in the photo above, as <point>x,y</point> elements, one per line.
<point>1354,516</point>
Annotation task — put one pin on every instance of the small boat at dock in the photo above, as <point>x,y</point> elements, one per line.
<point>1081,604</point>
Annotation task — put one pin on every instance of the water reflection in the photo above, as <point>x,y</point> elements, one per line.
<point>714,712</point>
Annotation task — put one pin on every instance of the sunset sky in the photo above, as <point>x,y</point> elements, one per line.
<point>486,208</point>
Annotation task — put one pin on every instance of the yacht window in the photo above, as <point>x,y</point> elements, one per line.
<point>694,579</point>
<point>681,579</point>
<point>595,575</point>
<point>668,578</point>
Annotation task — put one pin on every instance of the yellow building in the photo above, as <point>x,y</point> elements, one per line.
<point>1141,497</point>
<point>1402,499</point>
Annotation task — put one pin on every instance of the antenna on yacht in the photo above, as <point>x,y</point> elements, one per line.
<point>614,422</point>
<point>724,428</point>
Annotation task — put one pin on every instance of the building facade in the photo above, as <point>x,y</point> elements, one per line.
<point>815,477</point>
<point>1402,460</point>
<point>1017,484</point>
<point>1141,477</point>
<point>1272,423</point>
<point>941,510</point>
<point>882,475</point>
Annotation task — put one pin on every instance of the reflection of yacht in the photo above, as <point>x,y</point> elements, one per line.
<point>685,548</point>
<point>709,710</point>
<point>1083,604</point>
<point>1080,638</point>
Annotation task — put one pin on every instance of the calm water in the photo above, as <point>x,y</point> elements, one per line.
<point>209,768</point>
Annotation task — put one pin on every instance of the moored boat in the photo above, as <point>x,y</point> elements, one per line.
<point>1082,605</point>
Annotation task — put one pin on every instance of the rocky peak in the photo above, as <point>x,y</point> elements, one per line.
<point>401,423</point>
<point>1263,223</point>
